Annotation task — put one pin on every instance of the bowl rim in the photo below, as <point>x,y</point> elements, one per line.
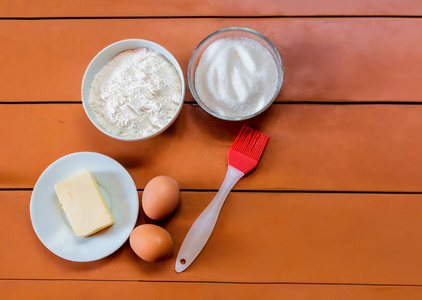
<point>140,43</point>
<point>250,31</point>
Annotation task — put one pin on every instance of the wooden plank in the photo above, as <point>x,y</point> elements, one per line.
<point>325,59</point>
<point>311,147</point>
<point>259,238</point>
<point>130,8</point>
<point>31,289</point>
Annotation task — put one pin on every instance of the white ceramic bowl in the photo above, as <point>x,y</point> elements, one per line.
<point>106,55</point>
<point>229,33</point>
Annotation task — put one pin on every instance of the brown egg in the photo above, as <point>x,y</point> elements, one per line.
<point>160,197</point>
<point>150,242</point>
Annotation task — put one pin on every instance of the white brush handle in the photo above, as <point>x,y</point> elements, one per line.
<point>201,230</point>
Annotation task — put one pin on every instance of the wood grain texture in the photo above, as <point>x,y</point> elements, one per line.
<point>325,59</point>
<point>147,8</point>
<point>34,289</point>
<point>311,147</point>
<point>331,212</point>
<point>259,238</point>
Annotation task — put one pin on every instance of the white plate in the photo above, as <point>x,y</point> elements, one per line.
<point>50,222</point>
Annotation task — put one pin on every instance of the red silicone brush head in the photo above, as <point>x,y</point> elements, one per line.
<point>247,149</point>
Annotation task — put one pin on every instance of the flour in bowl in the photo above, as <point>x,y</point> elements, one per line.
<point>136,94</point>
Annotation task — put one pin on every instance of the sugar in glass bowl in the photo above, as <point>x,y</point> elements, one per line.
<point>235,73</point>
<point>108,54</point>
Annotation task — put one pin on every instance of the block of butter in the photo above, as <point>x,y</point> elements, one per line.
<point>83,204</point>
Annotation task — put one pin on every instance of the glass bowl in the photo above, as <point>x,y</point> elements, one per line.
<point>234,32</point>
